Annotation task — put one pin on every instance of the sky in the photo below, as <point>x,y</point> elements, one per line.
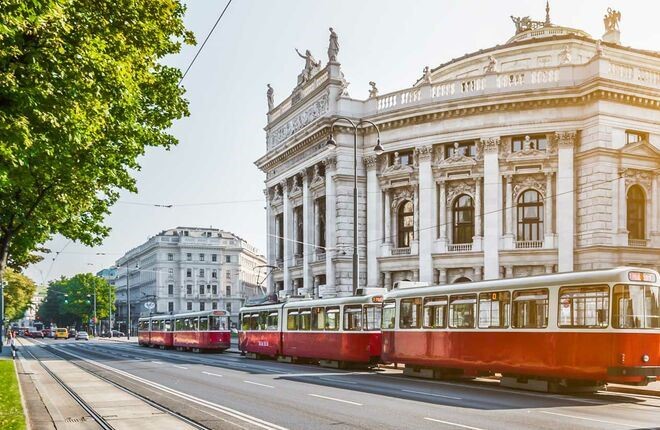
<point>211,173</point>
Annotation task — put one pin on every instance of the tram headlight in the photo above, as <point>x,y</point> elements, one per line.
<point>645,358</point>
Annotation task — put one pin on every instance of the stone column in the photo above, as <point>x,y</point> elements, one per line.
<point>388,280</point>
<point>426,219</point>
<point>492,203</point>
<point>548,268</point>
<point>477,273</point>
<point>414,245</point>
<point>477,244</point>
<point>317,231</point>
<point>308,233</point>
<point>374,223</point>
<point>548,221</point>
<point>387,212</point>
<point>509,211</point>
<point>287,258</point>
<point>623,215</point>
<point>416,275</point>
<point>508,271</point>
<point>566,200</point>
<point>655,215</point>
<point>271,241</point>
<point>330,221</point>
<point>442,277</point>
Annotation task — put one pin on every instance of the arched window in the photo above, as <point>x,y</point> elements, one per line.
<point>636,210</point>
<point>405,222</point>
<point>462,279</point>
<point>530,216</point>
<point>463,211</point>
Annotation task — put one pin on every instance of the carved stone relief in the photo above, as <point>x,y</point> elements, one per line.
<point>316,110</point>
<point>526,183</point>
<point>457,188</point>
<point>638,177</point>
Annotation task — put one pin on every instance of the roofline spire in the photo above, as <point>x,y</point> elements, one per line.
<point>547,12</point>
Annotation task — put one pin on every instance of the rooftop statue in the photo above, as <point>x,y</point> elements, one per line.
<point>310,66</point>
<point>611,19</point>
<point>491,66</point>
<point>270,96</point>
<point>373,91</point>
<point>333,46</point>
<point>427,74</point>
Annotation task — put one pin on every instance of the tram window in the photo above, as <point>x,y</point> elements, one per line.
<point>353,318</point>
<point>203,323</point>
<point>245,326</point>
<point>272,323</point>
<point>494,309</point>
<point>585,307</point>
<point>167,325</point>
<point>263,320</point>
<point>254,322</point>
<point>462,310</point>
<point>389,315</point>
<point>636,306</point>
<point>292,319</point>
<point>530,308</point>
<point>411,313</point>
<point>435,312</point>
<point>214,323</point>
<point>318,318</point>
<point>305,319</point>
<point>186,324</point>
<point>332,318</point>
<point>372,317</point>
<point>194,324</point>
<point>178,324</point>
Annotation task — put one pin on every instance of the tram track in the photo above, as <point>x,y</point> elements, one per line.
<point>98,418</point>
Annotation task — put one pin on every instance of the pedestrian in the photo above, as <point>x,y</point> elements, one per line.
<point>11,341</point>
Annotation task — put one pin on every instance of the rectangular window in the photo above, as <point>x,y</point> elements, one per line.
<point>170,306</point>
<point>228,290</point>
<point>372,316</point>
<point>188,273</point>
<point>411,313</point>
<point>201,273</point>
<point>214,289</point>
<point>214,274</point>
<point>530,308</point>
<point>292,319</point>
<point>353,318</point>
<point>462,309</point>
<point>178,324</point>
<point>536,141</point>
<point>227,258</point>
<point>405,158</point>
<point>188,289</point>
<point>167,324</point>
<point>228,275</point>
<point>584,307</point>
<point>633,136</point>
<point>170,257</point>
<point>494,309</point>
<point>389,315</point>
<point>467,149</point>
<point>332,318</point>
<point>228,307</point>
<point>201,257</point>
<point>318,318</point>
<point>214,305</point>
<point>189,306</point>
<point>214,257</point>
<point>636,306</point>
<point>435,312</point>
<point>272,322</point>
<point>263,320</point>
<point>254,321</point>
<point>201,289</point>
<point>170,289</point>
<point>203,321</point>
<point>245,322</point>
<point>189,257</point>
<point>202,306</point>
<point>305,319</point>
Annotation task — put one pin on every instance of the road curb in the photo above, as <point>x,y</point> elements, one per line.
<point>632,390</point>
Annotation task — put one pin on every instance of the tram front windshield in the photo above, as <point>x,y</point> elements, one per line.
<point>636,306</point>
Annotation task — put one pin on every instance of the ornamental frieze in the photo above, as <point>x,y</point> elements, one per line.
<point>316,110</point>
<point>529,182</point>
<point>638,177</point>
<point>399,195</point>
<point>457,188</point>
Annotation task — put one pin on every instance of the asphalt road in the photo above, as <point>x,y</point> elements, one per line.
<point>229,391</point>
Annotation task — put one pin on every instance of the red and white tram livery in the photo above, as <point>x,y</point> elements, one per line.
<point>568,330</point>
<point>334,332</point>
<point>197,331</point>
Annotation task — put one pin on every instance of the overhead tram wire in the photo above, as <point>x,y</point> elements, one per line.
<point>204,43</point>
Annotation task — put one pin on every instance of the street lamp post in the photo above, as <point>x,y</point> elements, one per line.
<point>128,302</point>
<point>378,149</point>
<point>109,312</point>
<point>2,311</point>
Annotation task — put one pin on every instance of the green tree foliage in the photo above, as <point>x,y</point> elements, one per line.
<point>82,95</point>
<point>18,293</point>
<point>70,301</point>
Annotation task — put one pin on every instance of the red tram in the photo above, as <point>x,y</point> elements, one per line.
<point>335,332</point>
<point>564,330</point>
<point>197,331</point>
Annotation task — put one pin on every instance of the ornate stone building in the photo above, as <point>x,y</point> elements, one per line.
<point>536,156</point>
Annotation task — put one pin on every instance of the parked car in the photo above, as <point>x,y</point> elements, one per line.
<point>46,332</point>
<point>36,334</point>
<point>61,333</point>
<point>82,335</point>
<point>72,333</point>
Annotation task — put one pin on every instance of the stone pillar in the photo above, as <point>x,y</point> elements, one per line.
<point>414,245</point>
<point>271,241</point>
<point>566,200</point>
<point>492,203</point>
<point>388,280</point>
<point>387,228</point>
<point>317,231</point>
<point>287,258</point>
<point>315,292</point>
<point>509,210</point>
<point>374,223</point>
<point>655,215</point>
<point>416,275</point>
<point>308,232</point>
<point>549,268</point>
<point>477,273</point>
<point>477,244</point>
<point>508,271</point>
<point>426,218</point>
<point>330,221</point>
<point>548,239</point>
<point>442,222</point>
<point>623,214</point>
<point>442,277</point>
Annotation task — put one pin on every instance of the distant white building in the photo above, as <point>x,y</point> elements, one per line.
<point>186,269</point>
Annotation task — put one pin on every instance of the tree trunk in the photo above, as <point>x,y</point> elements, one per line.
<point>4,253</point>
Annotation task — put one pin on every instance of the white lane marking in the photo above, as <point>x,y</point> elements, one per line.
<point>588,419</point>
<point>180,367</point>
<point>452,424</point>
<point>338,380</point>
<point>256,383</point>
<point>431,394</point>
<point>336,400</point>
<point>291,375</point>
<point>270,369</point>
<point>157,362</point>
<point>214,406</point>
<point>212,374</point>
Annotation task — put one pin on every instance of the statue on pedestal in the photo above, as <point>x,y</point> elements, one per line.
<point>333,46</point>
<point>611,19</point>
<point>427,74</point>
<point>271,97</point>
<point>310,66</point>
<point>373,91</point>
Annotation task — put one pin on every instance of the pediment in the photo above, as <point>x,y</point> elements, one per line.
<point>457,161</point>
<point>526,155</point>
<point>640,149</point>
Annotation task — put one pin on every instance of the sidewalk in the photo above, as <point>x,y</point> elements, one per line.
<point>653,389</point>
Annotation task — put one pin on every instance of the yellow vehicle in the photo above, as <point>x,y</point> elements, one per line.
<point>61,333</point>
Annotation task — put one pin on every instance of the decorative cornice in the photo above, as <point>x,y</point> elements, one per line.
<point>370,161</point>
<point>565,139</point>
<point>330,161</point>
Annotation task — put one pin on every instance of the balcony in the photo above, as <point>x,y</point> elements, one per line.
<point>401,251</point>
<point>529,244</point>
<point>279,263</point>
<point>638,243</point>
<point>320,255</point>
<point>459,247</point>
<point>298,260</point>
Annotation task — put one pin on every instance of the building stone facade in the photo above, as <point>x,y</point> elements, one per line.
<point>187,269</point>
<point>540,155</point>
